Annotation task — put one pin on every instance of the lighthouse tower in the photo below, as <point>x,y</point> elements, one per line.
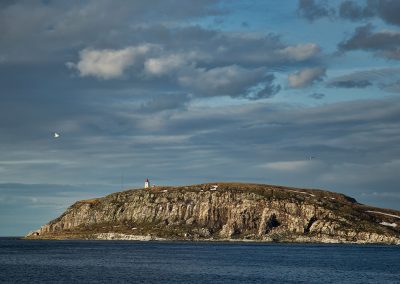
<point>146,183</point>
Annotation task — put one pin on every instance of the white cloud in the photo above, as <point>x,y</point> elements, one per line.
<point>300,52</point>
<point>162,66</point>
<point>108,63</point>
<point>290,166</point>
<point>173,62</point>
<point>306,77</point>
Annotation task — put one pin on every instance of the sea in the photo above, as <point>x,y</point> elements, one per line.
<point>35,261</point>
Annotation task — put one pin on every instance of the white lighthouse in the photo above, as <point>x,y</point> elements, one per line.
<point>146,183</point>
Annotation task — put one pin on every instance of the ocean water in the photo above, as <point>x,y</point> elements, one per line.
<point>188,262</point>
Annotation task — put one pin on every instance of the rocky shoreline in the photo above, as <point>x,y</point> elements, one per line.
<point>124,237</point>
<point>326,240</point>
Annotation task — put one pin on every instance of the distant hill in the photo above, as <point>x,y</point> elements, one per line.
<point>226,211</point>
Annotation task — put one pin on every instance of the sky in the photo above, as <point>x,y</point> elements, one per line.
<point>298,93</point>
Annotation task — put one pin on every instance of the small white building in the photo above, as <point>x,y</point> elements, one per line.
<point>147,183</point>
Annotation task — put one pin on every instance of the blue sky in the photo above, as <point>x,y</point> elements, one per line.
<point>186,92</point>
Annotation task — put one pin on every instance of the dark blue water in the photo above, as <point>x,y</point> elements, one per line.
<point>183,262</point>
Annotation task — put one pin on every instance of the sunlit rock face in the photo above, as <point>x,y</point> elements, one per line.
<point>226,211</point>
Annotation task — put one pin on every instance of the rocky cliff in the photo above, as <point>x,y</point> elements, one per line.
<point>231,211</point>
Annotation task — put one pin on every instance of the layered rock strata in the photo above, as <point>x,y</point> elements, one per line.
<point>231,211</point>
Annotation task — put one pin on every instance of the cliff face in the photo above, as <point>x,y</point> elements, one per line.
<point>232,211</point>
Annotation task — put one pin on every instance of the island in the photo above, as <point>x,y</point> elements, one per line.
<point>225,212</point>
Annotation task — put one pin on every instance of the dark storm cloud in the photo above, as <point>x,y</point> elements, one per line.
<point>144,54</point>
<point>213,48</point>
<point>49,26</point>
<point>384,43</point>
<point>155,56</point>
<point>350,84</point>
<point>387,10</point>
<point>365,38</point>
<point>354,12</point>
<point>231,81</point>
<point>313,10</point>
<point>33,31</point>
<point>205,62</point>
